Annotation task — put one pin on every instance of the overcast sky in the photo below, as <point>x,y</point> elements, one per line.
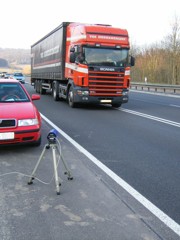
<point>23,22</point>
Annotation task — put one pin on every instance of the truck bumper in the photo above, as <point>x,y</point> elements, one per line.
<point>78,98</point>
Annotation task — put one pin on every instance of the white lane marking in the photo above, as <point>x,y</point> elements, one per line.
<point>173,105</point>
<point>176,124</point>
<point>146,203</point>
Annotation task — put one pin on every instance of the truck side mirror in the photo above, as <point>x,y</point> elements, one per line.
<point>132,61</point>
<point>72,57</point>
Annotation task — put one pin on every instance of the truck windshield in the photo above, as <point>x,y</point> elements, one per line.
<point>106,57</point>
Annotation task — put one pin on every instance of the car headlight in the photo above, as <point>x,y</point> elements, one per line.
<point>28,122</point>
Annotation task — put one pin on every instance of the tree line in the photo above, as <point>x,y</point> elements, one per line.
<point>160,62</point>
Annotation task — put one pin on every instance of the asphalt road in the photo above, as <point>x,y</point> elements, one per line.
<point>141,146</point>
<point>139,142</point>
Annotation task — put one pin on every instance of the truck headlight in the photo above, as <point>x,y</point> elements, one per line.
<point>83,92</point>
<point>125,93</point>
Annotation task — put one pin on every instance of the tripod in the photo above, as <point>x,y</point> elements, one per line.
<point>55,151</point>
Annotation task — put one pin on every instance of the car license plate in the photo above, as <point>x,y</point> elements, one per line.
<point>7,135</point>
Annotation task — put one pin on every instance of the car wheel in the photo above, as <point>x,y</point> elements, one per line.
<point>37,143</point>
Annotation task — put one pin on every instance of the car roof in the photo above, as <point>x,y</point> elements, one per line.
<point>10,80</point>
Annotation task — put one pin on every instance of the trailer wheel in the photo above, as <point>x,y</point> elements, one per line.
<point>37,86</point>
<point>71,98</point>
<point>55,90</point>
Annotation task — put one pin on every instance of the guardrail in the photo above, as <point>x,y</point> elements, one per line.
<point>172,89</point>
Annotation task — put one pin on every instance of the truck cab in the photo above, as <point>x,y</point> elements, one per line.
<point>99,63</point>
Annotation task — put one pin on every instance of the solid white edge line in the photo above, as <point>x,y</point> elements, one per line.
<point>146,203</point>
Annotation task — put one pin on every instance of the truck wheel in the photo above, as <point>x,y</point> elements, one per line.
<point>71,97</point>
<point>36,86</point>
<point>55,90</point>
<point>41,90</point>
<point>116,105</point>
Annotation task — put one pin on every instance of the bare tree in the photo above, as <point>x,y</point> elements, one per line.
<point>172,46</point>
<point>159,63</point>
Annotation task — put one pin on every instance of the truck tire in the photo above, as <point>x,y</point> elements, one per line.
<point>116,105</point>
<point>36,85</point>
<point>41,90</point>
<point>55,91</point>
<point>71,97</point>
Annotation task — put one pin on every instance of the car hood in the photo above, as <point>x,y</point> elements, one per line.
<point>17,110</point>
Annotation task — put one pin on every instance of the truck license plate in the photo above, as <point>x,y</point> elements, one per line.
<point>105,101</point>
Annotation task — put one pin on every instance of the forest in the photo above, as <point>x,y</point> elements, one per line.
<point>160,62</point>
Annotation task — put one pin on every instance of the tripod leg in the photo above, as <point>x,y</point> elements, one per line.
<point>65,166</point>
<point>55,170</point>
<point>37,164</point>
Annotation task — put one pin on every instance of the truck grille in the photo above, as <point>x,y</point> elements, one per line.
<point>105,83</point>
<point>7,123</point>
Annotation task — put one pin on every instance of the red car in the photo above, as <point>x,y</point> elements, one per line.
<point>20,120</point>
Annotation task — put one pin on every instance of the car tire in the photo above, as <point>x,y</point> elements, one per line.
<point>37,143</point>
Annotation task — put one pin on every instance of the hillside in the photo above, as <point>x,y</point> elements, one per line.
<point>15,59</point>
<point>15,56</point>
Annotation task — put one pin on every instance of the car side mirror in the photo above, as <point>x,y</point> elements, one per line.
<point>35,97</point>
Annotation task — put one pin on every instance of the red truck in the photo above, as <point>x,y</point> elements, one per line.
<point>83,63</point>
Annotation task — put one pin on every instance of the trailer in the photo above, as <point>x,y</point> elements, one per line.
<point>83,64</point>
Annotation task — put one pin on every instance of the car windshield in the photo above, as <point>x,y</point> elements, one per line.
<point>12,92</point>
